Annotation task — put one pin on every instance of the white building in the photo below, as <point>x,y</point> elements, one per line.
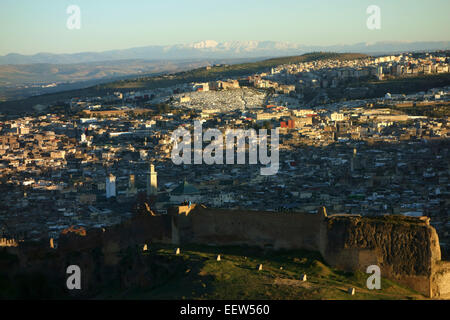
<point>335,116</point>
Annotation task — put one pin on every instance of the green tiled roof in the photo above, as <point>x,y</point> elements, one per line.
<point>184,188</point>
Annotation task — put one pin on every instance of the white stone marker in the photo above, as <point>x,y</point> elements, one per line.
<point>145,247</point>
<point>351,291</point>
<point>218,257</point>
<point>303,277</point>
<point>260,267</point>
<point>177,251</point>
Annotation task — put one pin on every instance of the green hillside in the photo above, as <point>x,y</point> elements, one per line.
<point>198,275</point>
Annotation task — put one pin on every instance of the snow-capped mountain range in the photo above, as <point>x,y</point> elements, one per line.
<point>212,49</point>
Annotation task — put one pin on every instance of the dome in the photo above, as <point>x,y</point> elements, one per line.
<point>185,189</point>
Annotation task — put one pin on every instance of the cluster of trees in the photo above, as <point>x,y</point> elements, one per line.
<point>265,125</point>
<point>440,111</point>
<point>162,108</point>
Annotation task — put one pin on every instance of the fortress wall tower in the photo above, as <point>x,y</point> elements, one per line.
<point>406,249</point>
<point>440,283</point>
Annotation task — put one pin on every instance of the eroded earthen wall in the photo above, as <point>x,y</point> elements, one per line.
<point>262,229</point>
<point>441,280</point>
<point>406,250</point>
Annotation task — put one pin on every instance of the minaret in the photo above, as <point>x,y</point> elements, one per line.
<point>131,186</point>
<point>152,181</point>
<point>131,182</point>
<point>110,186</point>
<point>352,160</point>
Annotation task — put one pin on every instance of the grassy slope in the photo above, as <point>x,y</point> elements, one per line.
<point>237,277</point>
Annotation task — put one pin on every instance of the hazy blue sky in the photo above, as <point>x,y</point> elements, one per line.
<point>31,26</point>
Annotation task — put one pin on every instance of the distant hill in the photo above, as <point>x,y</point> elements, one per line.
<point>24,80</point>
<point>166,80</point>
<point>211,49</point>
<point>404,85</point>
<point>41,73</point>
<point>216,72</point>
<point>47,72</point>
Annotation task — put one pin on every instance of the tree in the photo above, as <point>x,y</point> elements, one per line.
<point>267,125</point>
